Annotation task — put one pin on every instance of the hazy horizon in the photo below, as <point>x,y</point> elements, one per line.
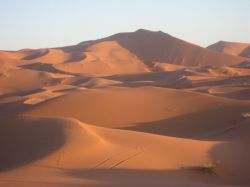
<point>41,24</point>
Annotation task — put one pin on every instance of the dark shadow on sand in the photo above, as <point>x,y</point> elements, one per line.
<point>203,125</point>
<point>25,140</point>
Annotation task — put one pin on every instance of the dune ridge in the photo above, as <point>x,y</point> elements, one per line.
<point>133,109</point>
<point>232,48</point>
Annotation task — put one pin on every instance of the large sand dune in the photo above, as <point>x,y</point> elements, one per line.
<point>232,48</point>
<point>132,109</point>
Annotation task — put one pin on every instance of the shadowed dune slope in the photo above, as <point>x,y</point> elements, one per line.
<point>25,140</point>
<point>232,48</point>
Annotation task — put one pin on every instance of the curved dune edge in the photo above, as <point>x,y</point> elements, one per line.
<point>86,147</point>
<point>91,155</point>
<point>162,111</point>
<point>105,58</point>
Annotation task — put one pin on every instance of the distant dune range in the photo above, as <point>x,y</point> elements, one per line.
<point>232,48</point>
<point>133,109</point>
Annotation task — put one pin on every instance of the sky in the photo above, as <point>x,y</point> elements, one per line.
<point>55,23</point>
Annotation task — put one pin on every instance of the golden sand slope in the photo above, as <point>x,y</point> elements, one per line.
<point>105,58</point>
<point>157,110</point>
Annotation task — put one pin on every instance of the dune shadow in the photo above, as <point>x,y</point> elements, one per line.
<point>233,158</point>
<point>38,66</point>
<point>198,125</point>
<point>239,95</point>
<point>233,80</point>
<point>171,79</point>
<point>36,54</point>
<point>12,109</point>
<point>25,140</point>
<point>22,93</point>
<point>76,57</point>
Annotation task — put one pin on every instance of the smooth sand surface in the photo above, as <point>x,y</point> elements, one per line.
<point>132,109</point>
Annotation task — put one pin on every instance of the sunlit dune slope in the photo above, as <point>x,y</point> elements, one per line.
<point>105,58</point>
<point>149,109</point>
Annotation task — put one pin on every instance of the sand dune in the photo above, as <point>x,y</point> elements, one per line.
<point>133,109</point>
<point>159,46</point>
<point>105,58</point>
<point>148,109</point>
<point>124,53</point>
<point>87,155</point>
<point>232,48</point>
<point>27,81</point>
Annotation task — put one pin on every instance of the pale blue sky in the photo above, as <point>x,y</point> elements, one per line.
<point>51,23</point>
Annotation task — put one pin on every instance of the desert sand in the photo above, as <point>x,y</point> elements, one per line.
<point>232,48</point>
<point>133,109</point>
